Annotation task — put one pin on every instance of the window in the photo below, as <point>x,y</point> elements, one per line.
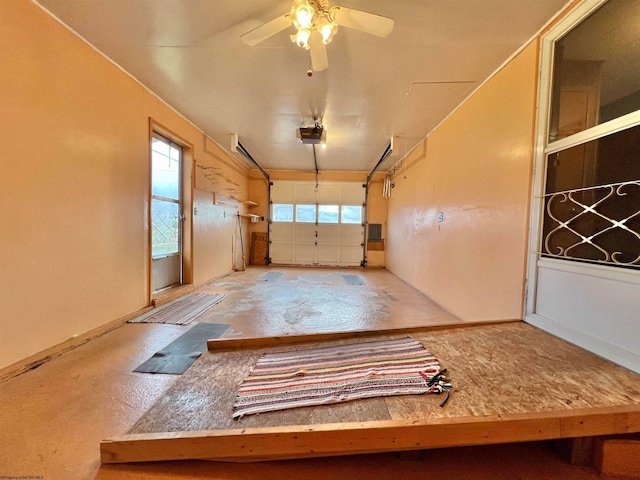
<point>282,212</point>
<point>592,190</point>
<point>595,81</point>
<point>328,213</point>
<point>165,202</point>
<point>351,214</point>
<point>306,213</point>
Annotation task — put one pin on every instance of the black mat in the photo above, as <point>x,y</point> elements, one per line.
<point>180,354</point>
<point>354,279</point>
<point>270,277</point>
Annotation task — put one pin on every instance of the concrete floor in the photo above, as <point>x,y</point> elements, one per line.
<point>315,300</point>
<point>53,418</point>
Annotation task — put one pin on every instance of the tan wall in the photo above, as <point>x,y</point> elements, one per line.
<point>377,206</point>
<point>475,168</point>
<point>74,188</point>
<point>377,213</point>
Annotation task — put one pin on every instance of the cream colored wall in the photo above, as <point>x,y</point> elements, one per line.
<point>377,207</point>
<point>475,168</point>
<point>74,189</point>
<point>377,213</point>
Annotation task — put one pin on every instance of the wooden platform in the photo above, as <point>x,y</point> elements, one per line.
<point>512,383</point>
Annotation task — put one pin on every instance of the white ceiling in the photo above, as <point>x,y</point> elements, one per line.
<point>189,52</point>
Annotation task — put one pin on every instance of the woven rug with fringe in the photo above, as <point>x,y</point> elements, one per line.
<point>343,373</point>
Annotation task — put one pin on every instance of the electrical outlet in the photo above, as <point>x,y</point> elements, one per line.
<point>440,217</point>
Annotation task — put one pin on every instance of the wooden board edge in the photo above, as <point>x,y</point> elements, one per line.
<point>218,344</point>
<point>34,361</point>
<point>307,441</point>
<point>171,294</point>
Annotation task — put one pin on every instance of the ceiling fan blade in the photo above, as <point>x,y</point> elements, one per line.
<point>319,59</point>
<point>261,33</point>
<point>365,22</point>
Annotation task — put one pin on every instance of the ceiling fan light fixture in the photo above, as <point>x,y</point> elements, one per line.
<point>301,38</point>
<point>327,28</point>
<point>316,24</point>
<point>302,14</point>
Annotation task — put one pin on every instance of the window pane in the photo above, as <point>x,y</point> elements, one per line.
<point>594,80</point>
<point>160,146</point>
<point>165,170</point>
<point>610,159</point>
<point>328,214</point>
<point>599,218</point>
<point>306,213</point>
<point>282,212</point>
<point>165,225</point>
<point>350,214</point>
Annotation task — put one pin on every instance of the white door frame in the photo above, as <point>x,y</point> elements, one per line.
<point>534,260</point>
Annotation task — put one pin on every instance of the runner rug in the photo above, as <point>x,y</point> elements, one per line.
<point>180,354</point>
<point>323,376</point>
<point>183,311</point>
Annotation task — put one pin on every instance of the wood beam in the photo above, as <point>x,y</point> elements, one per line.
<point>305,441</point>
<point>269,342</point>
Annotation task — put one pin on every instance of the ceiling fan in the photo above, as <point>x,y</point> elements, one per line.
<point>316,24</point>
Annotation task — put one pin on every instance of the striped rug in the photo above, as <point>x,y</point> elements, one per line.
<point>183,311</point>
<point>323,376</point>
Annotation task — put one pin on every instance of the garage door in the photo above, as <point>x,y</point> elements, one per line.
<point>317,226</point>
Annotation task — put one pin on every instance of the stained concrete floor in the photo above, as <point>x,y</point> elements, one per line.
<point>315,300</point>
<point>53,418</point>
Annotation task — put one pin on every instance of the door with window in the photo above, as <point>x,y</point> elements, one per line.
<point>584,263</point>
<point>166,213</point>
<point>319,224</point>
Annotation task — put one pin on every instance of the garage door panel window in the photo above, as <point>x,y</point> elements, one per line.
<point>306,213</point>
<point>351,214</point>
<point>328,213</point>
<point>282,212</point>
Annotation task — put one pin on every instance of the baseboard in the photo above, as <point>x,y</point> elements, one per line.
<point>171,294</point>
<point>606,350</point>
<point>37,359</point>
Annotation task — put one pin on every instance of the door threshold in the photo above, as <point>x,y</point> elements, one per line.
<point>169,294</point>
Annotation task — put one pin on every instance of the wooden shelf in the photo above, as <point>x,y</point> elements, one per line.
<point>250,204</point>
<point>254,218</point>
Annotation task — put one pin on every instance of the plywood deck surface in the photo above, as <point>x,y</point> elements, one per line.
<point>511,382</point>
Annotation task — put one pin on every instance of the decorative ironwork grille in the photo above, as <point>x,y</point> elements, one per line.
<point>595,224</point>
<point>166,233</point>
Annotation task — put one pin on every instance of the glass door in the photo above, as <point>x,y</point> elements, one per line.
<point>584,269</point>
<point>166,213</point>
